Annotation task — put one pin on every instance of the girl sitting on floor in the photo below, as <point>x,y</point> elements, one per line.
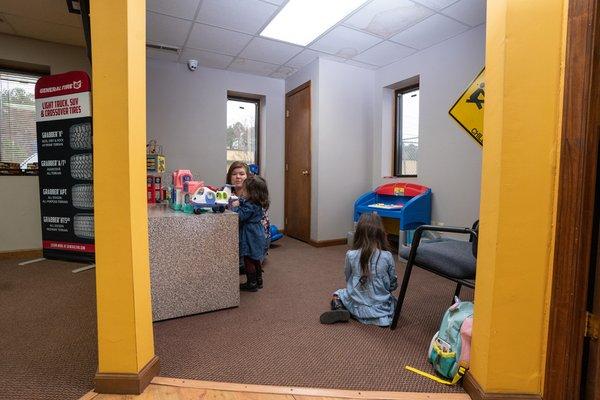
<point>253,201</point>
<point>370,278</point>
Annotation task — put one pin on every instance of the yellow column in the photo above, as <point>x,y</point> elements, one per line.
<point>524,59</point>
<point>125,336</point>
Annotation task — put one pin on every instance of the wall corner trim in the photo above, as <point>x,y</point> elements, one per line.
<point>127,383</point>
<point>474,390</point>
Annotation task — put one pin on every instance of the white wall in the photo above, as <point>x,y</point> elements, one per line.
<point>187,114</point>
<point>341,104</point>
<point>449,159</point>
<point>20,226</point>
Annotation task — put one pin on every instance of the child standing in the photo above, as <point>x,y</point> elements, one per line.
<point>370,278</point>
<point>253,201</point>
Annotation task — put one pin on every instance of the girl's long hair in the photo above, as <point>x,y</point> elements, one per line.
<point>256,191</point>
<point>369,237</point>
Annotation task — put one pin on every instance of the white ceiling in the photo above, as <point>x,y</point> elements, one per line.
<point>224,34</point>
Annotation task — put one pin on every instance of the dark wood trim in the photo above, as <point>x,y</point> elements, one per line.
<point>18,254</point>
<point>285,199</point>
<point>406,89</point>
<point>327,243</point>
<point>23,67</point>
<point>476,392</point>
<point>299,88</point>
<point>576,197</point>
<point>127,383</point>
<point>257,126</point>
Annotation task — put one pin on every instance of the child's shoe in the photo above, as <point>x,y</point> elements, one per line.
<point>259,279</point>
<point>331,317</point>
<point>250,285</point>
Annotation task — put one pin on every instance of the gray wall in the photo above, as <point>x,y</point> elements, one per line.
<point>449,159</point>
<point>20,226</point>
<point>341,105</point>
<point>187,114</point>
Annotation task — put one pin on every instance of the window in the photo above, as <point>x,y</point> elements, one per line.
<point>18,138</point>
<point>406,146</point>
<point>242,130</point>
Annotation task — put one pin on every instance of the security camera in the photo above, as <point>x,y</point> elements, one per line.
<point>193,65</point>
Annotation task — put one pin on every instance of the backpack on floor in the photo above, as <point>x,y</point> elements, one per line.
<point>450,347</point>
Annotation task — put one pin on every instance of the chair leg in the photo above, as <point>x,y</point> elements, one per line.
<point>457,291</point>
<point>401,295</point>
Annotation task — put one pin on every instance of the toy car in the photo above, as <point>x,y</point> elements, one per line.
<point>205,198</point>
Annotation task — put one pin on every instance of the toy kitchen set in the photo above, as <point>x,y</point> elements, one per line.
<point>193,243</point>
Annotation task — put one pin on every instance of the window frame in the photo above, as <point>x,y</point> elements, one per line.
<point>32,72</point>
<point>397,160</point>
<point>257,122</point>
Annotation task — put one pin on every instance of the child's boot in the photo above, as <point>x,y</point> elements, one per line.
<point>250,285</point>
<point>259,279</point>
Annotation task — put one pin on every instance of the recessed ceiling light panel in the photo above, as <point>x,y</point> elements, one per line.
<point>301,21</point>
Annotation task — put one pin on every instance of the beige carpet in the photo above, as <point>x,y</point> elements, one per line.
<point>48,331</point>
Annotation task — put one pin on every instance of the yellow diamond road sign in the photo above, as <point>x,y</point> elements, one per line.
<point>468,109</point>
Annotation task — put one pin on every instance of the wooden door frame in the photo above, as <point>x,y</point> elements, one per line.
<point>576,197</point>
<point>285,203</point>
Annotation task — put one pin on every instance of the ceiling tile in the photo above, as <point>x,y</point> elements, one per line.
<point>305,57</point>
<point>471,12</point>
<point>166,30</point>
<point>253,67</point>
<point>158,54</point>
<point>362,65</point>
<point>384,53</point>
<point>283,72</point>
<point>344,42</point>
<point>270,51</point>
<point>240,15</point>
<point>46,31</point>
<point>387,17</point>
<point>436,4</point>
<point>218,40</point>
<point>44,10</point>
<point>180,8</point>
<point>206,58</point>
<point>434,29</point>
<point>5,27</point>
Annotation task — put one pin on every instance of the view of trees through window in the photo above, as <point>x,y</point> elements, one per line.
<point>407,132</point>
<point>18,142</point>
<point>242,131</point>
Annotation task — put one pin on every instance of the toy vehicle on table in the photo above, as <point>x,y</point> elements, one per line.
<point>408,203</point>
<point>205,199</point>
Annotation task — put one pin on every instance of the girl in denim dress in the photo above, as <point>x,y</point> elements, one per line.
<point>370,278</point>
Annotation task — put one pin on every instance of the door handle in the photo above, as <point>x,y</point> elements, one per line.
<point>305,172</point>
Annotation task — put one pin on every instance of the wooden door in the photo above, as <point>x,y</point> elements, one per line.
<point>298,163</point>
<point>592,356</point>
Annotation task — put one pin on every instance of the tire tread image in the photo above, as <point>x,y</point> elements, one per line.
<point>83,226</point>
<point>80,136</point>
<point>82,196</point>
<point>82,167</point>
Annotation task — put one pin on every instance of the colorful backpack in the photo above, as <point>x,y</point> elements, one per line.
<point>450,347</point>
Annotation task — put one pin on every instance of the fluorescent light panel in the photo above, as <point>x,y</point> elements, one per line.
<point>301,21</point>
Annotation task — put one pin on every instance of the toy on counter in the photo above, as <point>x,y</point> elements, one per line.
<point>206,198</point>
<point>182,190</point>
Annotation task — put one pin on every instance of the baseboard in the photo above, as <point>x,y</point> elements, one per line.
<point>15,254</point>
<point>326,243</point>
<point>127,383</point>
<point>476,392</point>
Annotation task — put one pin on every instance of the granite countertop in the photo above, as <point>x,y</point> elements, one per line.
<point>163,210</point>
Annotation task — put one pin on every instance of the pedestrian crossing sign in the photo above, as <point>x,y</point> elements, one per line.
<point>468,109</point>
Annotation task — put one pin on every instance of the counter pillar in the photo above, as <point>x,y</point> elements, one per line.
<point>126,360</point>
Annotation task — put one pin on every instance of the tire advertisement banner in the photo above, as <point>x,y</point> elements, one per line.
<point>64,142</point>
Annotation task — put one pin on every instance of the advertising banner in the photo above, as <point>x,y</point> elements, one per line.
<point>64,142</point>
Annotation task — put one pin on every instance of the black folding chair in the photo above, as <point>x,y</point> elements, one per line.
<point>453,259</point>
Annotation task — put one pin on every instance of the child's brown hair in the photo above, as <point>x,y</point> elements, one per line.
<point>256,191</point>
<point>370,236</point>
